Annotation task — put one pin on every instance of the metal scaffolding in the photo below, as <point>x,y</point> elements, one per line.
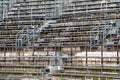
<point>39,36</point>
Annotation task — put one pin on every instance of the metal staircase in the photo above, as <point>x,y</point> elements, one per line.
<point>22,37</point>
<point>99,36</point>
<point>27,34</point>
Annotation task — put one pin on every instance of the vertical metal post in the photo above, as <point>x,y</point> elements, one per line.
<point>86,52</point>
<point>117,55</point>
<point>19,54</point>
<point>55,52</point>
<point>71,53</point>
<point>4,53</point>
<point>102,55</point>
<point>33,46</point>
<point>102,49</point>
<point>90,42</point>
